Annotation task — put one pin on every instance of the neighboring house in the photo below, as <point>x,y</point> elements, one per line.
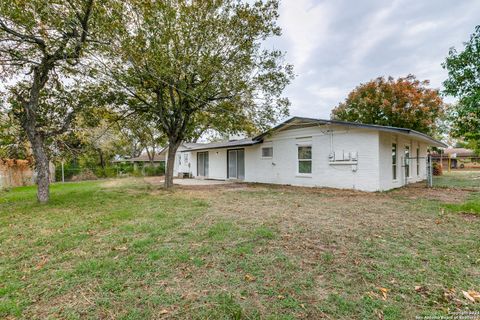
<point>144,160</point>
<point>314,152</point>
<point>457,158</point>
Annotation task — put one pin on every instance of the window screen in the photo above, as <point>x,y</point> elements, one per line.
<point>394,161</point>
<point>305,159</point>
<point>267,152</point>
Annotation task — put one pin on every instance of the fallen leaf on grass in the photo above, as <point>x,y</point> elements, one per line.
<point>164,311</point>
<point>449,294</point>
<point>124,248</point>
<point>379,314</point>
<point>384,292</point>
<point>471,295</point>
<point>41,264</point>
<point>475,295</point>
<point>249,278</point>
<point>421,289</point>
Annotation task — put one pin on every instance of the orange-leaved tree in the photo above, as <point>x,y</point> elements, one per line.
<point>404,102</point>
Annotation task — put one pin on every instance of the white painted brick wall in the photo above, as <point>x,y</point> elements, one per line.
<point>374,171</point>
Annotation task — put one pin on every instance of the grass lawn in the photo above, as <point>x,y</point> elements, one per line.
<point>458,179</point>
<point>127,249</point>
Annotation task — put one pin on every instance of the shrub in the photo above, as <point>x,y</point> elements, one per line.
<point>437,169</point>
<point>156,170</point>
<point>86,174</point>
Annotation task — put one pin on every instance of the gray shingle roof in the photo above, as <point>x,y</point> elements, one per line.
<point>223,144</point>
<point>143,158</point>
<point>303,120</point>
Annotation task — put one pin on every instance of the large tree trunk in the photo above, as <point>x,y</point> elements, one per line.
<point>102,160</point>
<point>172,150</point>
<point>41,168</point>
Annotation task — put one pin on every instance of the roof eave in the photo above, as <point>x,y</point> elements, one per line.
<point>404,131</point>
<point>223,147</point>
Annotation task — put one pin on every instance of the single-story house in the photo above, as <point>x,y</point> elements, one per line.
<point>183,160</point>
<point>457,158</point>
<point>316,153</point>
<point>143,159</point>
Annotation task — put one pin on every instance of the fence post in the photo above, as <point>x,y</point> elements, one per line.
<point>63,173</point>
<point>429,171</point>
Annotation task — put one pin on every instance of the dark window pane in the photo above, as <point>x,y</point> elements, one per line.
<point>407,161</point>
<point>394,153</point>
<point>304,152</point>
<point>305,166</point>
<point>267,152</point>
<point>418,161</point>
<point>394,161</point>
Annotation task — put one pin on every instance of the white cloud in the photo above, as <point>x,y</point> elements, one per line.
<point>337,44</point>
<point>305,28</point>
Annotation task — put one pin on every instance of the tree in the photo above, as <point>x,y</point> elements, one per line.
<point>13,143</point>
<point>191,64</point>
<point>143,134</point>
<point>405,102</point>
<point>41,44</point>
<point>464,83</point>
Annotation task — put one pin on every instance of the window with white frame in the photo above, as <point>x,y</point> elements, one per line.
<point>407,161</point>
<point>185,157</point>
<point>304,159</point>
<point>394,161</point>
<point>267,152</point>
<point>418,161</point>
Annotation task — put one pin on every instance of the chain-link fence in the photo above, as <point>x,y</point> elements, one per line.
<point>433,174</point>
<point>439,176</point>
<point>75,172</point>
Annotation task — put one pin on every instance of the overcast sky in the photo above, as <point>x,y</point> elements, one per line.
<point>335,45</point>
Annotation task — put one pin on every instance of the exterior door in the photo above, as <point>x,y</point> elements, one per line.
<point>236,164</point>
<point>202,164</point>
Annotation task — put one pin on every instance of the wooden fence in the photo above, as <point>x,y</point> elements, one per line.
<point>15,173</point>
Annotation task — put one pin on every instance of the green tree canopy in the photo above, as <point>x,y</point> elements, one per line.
<point>404,102</point>
<point>200,64</point>
<point>464,83</point>
<point>42,47</point>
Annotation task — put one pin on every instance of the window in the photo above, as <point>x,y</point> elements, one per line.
<point>418,161</point>
<point>185,157</point>
<point>394,161</point>
<point>407,161</point>
<point>267,152</point>
<point>304,159</point>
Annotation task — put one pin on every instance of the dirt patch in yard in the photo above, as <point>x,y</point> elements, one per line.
<point>323,231</point>
<point>419,191</point>
<point>131,249</point>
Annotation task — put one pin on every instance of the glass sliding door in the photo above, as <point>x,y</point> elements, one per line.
<point>236,164</point>
<point>241,164</point>
<point>202,164</point>
<point>232,164</point>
